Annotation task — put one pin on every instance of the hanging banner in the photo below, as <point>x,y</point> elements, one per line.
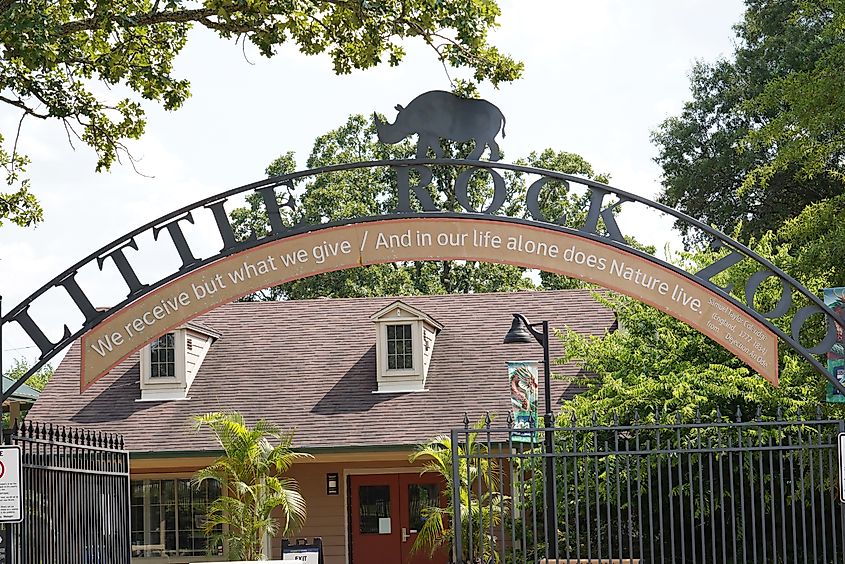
<point>523,380</point>
<point>834,298</point>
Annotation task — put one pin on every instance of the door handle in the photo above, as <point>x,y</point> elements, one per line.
<point>405,534</point>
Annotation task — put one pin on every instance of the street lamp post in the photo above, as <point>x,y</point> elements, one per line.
<point>522,331</point>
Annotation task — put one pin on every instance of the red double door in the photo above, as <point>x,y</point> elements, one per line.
<point>387,517</point>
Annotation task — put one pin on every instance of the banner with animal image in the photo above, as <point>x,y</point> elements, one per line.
<point>834,298</point>
<point>523,379</point>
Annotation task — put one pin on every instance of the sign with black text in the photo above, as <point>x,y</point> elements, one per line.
<point>11,491</point>
<point>301,552</point>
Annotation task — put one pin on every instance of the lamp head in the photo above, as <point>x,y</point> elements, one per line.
<point>518,333</point>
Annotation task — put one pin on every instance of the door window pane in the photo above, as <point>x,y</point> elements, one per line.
<point>374,504</point>
<point>421,496</point>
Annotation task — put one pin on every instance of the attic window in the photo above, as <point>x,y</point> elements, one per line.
<point>404,344</point>
<point>163,357</point>
<point>400,353</point>
<point>170,363</point>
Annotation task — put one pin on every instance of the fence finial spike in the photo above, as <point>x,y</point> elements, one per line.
<point>466,420</point>
<point>779,413</point>
<point>594,418</point>
<point>819,414</point>
<point>678,419</point>
<point>798,414</point>
<point>615,419</point>
<point>510,420</point>
<point>759,413</point>
<point>697,414</point>
<point>636,416</point>
<point>718,414</point>
<point>487,419</point>
<point>738,414</point>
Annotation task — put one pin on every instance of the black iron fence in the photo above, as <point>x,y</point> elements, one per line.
<point>76,498</point>
<point>668,492</point>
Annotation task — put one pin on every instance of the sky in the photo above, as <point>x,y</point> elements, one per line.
<point>599,77</point>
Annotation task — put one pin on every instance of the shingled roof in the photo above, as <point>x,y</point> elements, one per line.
<point>309,365</point>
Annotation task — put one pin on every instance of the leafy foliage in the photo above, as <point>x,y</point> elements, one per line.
<point>655,362</point>
<point>807,132</point>
<point>56,55</point>
<point>37,381</point>
<point>251,473</point>
<point>365,192</point>
<point>482,504</point>
<point>723,158</point>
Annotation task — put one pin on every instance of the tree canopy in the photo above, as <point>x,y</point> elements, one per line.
<point>751,149</point>
<point>365,192</point>
<point>656,361</point>
<point>37,381</point>
<point>56,55</point>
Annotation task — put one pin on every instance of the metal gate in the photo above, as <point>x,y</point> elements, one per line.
<point>668,492</point>
<point>76,498</point>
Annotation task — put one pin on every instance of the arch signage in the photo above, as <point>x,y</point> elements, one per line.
<point>591,247</point>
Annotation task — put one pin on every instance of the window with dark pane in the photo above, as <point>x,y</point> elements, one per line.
<point>400,354</point>
<point>421,496</point>
<point>163,357</point>
<point>168,518</point>
<point>374,504</point>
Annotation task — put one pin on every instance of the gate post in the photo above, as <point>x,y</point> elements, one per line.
<point>457,529</point>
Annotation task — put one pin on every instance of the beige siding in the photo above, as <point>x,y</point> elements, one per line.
<point>326,513</point>
<point>196,354</point>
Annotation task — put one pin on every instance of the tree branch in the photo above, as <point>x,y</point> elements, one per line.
<point>141,20</point>
<point>24,107</point>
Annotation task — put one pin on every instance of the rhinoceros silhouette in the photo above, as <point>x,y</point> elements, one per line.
<point>440,115</point>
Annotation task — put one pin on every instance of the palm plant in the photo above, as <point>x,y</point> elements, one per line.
<point>251,476</point>
<point>482,505</point>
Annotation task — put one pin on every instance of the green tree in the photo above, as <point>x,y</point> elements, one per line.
<point>721,161</point>
<point>364,192</point>
<point>481,512</point>
<point>251,475</point>
<point>807,131</point>
<point>56,55</point>
<point>37,381</point>
<point>655,362</point>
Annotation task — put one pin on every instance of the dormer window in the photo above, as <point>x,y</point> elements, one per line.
<point>170,363</point>
<point>404,344</point>
<point>163,357</point>
<point>400,347</point>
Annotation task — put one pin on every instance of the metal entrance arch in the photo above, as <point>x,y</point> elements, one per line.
<point>412,179</point>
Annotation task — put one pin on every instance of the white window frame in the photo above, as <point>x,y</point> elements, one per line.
<point>416,344</point>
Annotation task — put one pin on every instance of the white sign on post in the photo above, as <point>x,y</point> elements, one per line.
<point>842,467</point>
<point>11,492</point>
